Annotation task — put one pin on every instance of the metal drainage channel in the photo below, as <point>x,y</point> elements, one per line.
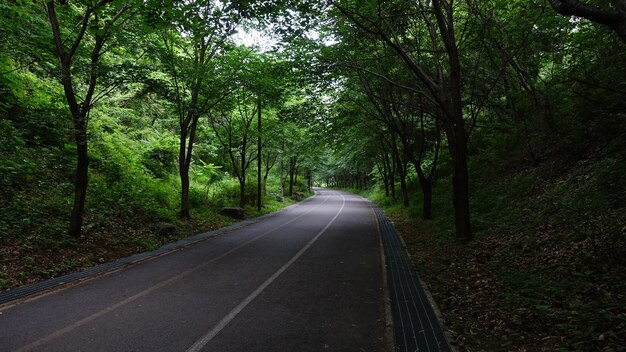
<point>27,290</point>
<point>416,327</point>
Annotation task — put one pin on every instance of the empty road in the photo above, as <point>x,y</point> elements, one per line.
<point>306,279</point>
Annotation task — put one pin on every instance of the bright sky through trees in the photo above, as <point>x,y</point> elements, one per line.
<point>266,41</point>
<point>251,37</point>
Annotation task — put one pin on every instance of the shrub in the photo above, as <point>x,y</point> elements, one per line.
<point>160,160</point>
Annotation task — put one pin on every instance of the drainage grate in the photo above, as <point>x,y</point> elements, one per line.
<point>416,327</point>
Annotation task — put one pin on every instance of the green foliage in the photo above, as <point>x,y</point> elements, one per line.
<point>9,85</point>
<point>147,77</point>
<point>225,193</point>
<point>33,198</point>
<point>554,245</point>
<point>160,160</point>
<point>147,243</point>
<point>10,138</point>
<point>209,171</point>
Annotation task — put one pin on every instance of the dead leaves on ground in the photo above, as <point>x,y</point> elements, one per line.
<point>533,291</point>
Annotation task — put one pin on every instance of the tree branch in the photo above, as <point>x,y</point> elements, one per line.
<point>615,20</point>
<point>592,13</point>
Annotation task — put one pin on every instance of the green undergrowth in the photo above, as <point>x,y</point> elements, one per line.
<point>547,268</point>
<point>127,203</point>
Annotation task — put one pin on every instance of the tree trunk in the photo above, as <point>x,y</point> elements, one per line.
<point>184,194</point>
<point>382,171</point>
<point>614,19</point>
<point>259,164</point>
<point>242,192</point>
<point>183,171</point>
<point>292,172</point>
<point>426,184</point>
<point>392,181</point>
<point>456,125</point>
<point>309,178</point>
<point>282,171</point>
<point>460,187</point>
<point>269,165</point>
<point>403,188</point>
<point>291,183</point>
<point>242,175</point>
<point>82,178</point>
<point>401,167</point>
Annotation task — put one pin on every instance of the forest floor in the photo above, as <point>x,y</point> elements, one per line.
<point>490,303</point>
<point>547,268</point>
<point>35,258</point>
<point>25,262</point>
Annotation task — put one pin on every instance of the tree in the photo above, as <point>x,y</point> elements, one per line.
<point>233,126</point>
<point>191,35</point>
<point>268,84</point>
<point>260,84</point>
<point>271,146</point>
<point>298,140</point>
<point>409,120</point>
<point>439,73</point>
<point>97,25</point>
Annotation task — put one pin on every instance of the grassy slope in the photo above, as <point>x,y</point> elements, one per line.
<point>547,270</point>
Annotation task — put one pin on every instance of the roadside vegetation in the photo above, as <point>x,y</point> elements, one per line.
<point>135,199</point>
<point>546,270</point>
<point>135,129</point>
<point>542,265</point>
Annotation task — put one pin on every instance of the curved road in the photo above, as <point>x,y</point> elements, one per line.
<point>306,279</point>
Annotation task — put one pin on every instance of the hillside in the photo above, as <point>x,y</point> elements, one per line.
<point>547,270</point>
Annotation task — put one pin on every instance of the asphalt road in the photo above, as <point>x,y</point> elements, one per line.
<point>306,279</point>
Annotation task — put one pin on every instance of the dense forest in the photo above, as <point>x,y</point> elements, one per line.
<point>491,132</point>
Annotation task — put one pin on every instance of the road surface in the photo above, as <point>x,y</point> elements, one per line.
<point>306,279</point>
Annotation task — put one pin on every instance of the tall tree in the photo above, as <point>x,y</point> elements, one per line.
<point>191,35</point>
<point>233,126</point>
<point>98,22</point>
<point>259,156</point>
<point>436,64</point>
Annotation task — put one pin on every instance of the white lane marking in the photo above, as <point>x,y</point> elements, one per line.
<point>233,313</point>
<point>45,339</point>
